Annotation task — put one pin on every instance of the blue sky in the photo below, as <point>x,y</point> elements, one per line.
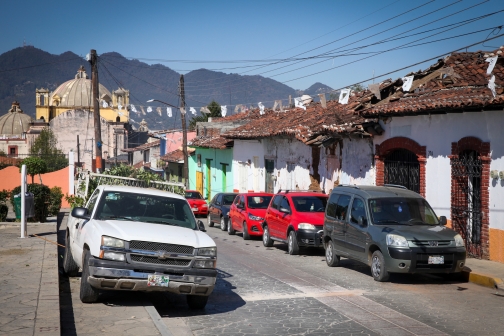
<point>231,31</point>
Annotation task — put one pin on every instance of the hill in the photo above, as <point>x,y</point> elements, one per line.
<point>24,69</point>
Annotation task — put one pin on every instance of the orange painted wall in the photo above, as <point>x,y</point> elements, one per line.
<point>497,245</point>
<point>10,177</point>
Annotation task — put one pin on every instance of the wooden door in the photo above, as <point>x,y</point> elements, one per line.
<point>199,182</point>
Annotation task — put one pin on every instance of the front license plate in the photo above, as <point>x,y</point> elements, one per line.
<point>158,280</point>
<point>194,209</point>
<point>436,260</point>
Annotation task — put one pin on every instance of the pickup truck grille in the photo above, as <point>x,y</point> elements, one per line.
<point>151,246</point>
<point>154,260</point>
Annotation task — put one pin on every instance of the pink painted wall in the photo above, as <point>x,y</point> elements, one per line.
<point>10,177</point>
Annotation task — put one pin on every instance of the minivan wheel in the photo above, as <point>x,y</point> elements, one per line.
<point>267,241</point>
<point>292,244</point>
<point>378,269</point>
<point>231,231</point>
<point>209,221</point>
<point>331,258</point>
<point>246,235</point>
<point>223,225</point>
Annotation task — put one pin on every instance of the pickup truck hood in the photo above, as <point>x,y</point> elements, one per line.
<point>421,232</point>
<point>159,233</point>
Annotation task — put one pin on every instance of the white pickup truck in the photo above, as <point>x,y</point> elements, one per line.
<point>140,239</point>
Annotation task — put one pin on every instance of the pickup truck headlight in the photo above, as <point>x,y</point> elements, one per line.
<point>306,226</point>
<point>207,251</point>
<point>256,218</point>
<point>112,242</point>
<point>114,256</point>
<point>459,242</point>
<point>205,263</point>
<point>396,240</point>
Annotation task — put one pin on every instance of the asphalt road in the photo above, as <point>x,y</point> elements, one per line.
<point>266,291</point>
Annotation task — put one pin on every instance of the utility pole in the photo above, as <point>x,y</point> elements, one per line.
<point>115,149</point>
<point>78,151</point>
<point>96,109</point>
<point>185,171</point>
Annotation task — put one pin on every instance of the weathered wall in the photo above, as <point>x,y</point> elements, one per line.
<point>68,124</point>
<point>23,147</point>
<point>437,132</point>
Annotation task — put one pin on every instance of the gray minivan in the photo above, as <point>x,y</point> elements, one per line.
<point>391,229</point>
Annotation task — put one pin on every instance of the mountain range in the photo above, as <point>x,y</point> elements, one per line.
<point>24,69</point>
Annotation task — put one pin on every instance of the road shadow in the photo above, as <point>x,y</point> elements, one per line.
<point>223,299</point>
<point>305,252</point>
<point>67,318</point>
<point>405,278</point>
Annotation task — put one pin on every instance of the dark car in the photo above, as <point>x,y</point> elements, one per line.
<point>391,229</point>
<point>218,209</point>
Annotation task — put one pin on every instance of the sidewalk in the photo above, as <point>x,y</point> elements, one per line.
<point>30,289</point>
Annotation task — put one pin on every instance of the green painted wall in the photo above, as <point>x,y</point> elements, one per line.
<point>217,157</point>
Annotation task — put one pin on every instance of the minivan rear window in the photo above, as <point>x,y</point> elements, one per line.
<point>401,210</point>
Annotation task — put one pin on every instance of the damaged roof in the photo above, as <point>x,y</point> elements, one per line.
<point>305,125</point>
<point>142,147</point>
<point>217,142</point>
<point>454,84</point>
<point>177,155</point>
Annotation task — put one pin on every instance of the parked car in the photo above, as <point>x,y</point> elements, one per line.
<point>140,239</point>
<point>198,205</point>
<point>218,209</point>
<point>391,229</point>
<point>295,218</point>
<point>247,214</point>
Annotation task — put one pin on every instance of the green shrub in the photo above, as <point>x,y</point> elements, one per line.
<point>74,201</point>
<point>42,195</point>
<point>4,194</point>
<point>55,201</point>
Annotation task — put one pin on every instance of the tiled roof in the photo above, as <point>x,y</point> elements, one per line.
<point>142,147</point>
<point>304,125</point>
<point>176,155</point>
<point>456,83</point>
<point>216,142</point>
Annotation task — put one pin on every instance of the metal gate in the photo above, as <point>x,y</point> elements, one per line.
<point>466,200</point>
<point>402,168</point>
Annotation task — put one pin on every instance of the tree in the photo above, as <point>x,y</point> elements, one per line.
<point>215,111</point>
<point>34,166</point>
<point>357,88</point>
<point>45,147</point>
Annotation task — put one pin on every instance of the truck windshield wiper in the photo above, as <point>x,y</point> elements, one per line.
<point>118,217</point>
<point>159,222</point>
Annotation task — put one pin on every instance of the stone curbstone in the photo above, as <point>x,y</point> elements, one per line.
<point>483,279</point>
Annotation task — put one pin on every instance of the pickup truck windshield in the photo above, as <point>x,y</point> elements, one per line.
<point>117,205</point>
<point>400,210</point>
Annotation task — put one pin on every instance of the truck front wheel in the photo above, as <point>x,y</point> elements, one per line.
<point>69,265</point>
<point>88,294</point>
<point>197,301</point>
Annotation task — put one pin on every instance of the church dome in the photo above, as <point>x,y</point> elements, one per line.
<point>14,123</point>
<point>76,92</point>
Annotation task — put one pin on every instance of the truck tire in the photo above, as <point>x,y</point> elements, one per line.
<point>196,302</point>
<point>69,265</point>
<point>88,294</point>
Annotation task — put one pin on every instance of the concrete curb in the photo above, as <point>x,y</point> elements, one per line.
<point>483,279</point>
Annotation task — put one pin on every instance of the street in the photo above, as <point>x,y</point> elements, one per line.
<point>265,291</point>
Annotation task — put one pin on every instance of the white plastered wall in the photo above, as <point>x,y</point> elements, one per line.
<point>437,132</point>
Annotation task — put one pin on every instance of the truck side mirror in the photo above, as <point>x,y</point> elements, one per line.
<point>82,213</point>
<point>362,221</point>
<point>201,226</point>
<point>442,220</point>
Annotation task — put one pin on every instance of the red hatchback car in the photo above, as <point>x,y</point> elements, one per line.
<point>198,205</point>
<point>295,218</point>
<point>247,214</point>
